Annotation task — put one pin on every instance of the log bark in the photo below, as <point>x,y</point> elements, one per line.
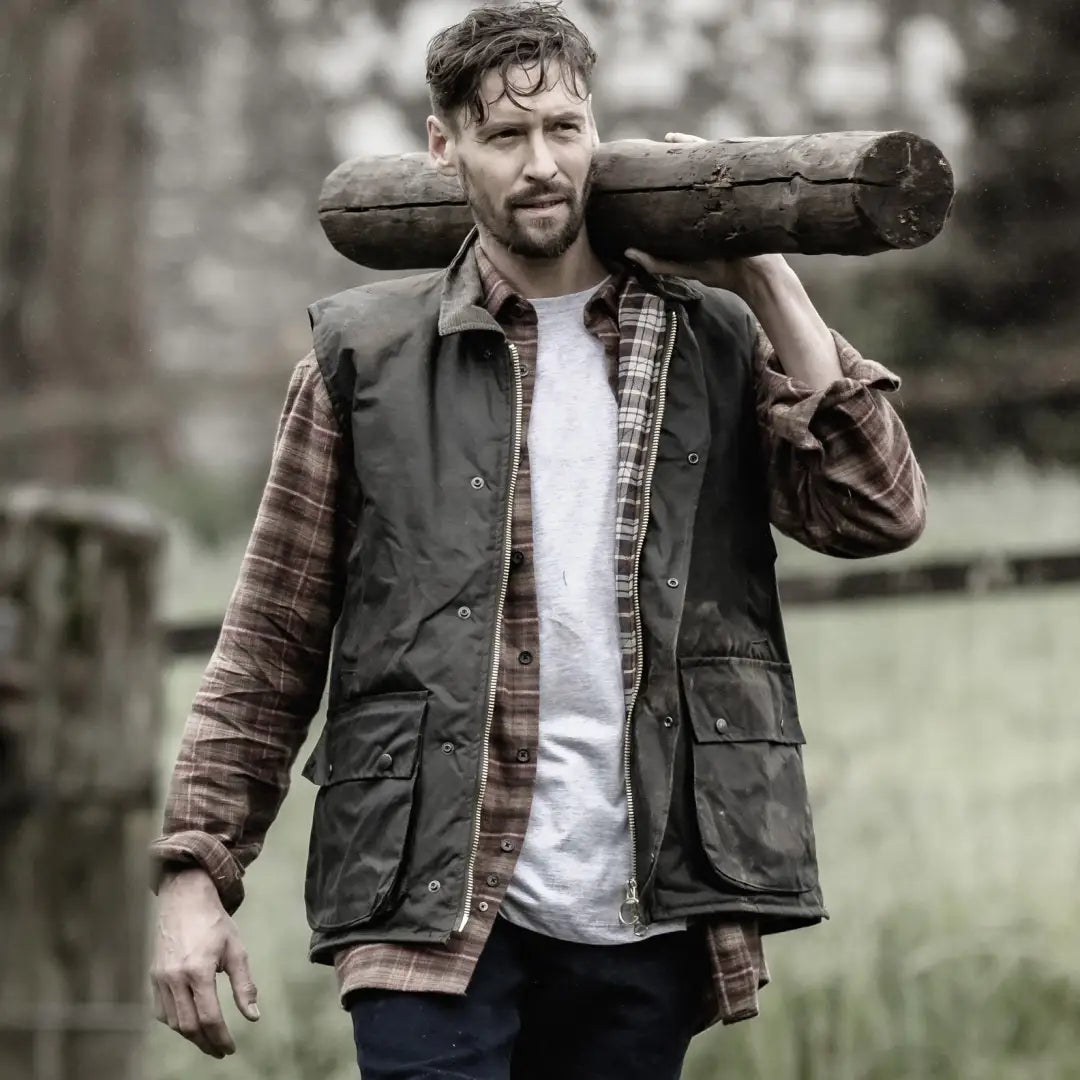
<point>80,720</point>
<point>847,193</point>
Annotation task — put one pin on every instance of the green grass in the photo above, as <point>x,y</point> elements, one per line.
<point>943,762</point>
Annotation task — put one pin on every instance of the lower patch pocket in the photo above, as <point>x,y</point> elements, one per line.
<point>365,764</point>
<point>750,793</point>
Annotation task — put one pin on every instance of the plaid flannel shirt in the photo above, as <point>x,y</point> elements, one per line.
<point>842,478</point>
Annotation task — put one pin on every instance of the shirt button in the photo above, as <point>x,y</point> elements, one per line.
<point>524,657</point>
<point>464,612</point>
<point>507,845</point>
<point>493,880</point>
<point>669,721</point>
<point>517,558</point>
<point>385,762</point>
<point>434,886</point>
<point>673,582</point>
<point>721,723</point>
<point>447,747</point>
<point>477,482</point>
<point>523,755</point>
<point>693,458</point>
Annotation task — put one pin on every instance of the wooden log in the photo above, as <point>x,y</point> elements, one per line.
<point>80,719</point>
<point>848,193</point>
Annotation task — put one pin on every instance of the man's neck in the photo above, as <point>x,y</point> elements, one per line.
<point>576,270</point>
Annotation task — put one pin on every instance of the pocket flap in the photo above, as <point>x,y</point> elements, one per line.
<point>372,739</point>
<point>732,699</point>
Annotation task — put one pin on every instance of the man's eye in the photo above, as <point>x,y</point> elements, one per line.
<point>504,135</point>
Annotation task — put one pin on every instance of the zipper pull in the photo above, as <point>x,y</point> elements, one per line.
<point>630,908</point>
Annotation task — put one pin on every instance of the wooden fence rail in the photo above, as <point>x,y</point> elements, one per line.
<point>975,576</point>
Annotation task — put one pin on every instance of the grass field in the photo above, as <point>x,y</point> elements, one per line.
<point>944,765</point>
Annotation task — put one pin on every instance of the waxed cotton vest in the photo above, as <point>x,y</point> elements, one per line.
<point>426,401</point>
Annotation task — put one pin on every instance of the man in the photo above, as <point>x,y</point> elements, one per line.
<point>521,507</point>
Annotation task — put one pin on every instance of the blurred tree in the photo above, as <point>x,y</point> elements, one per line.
<point>72,356</point>
<point>1021,212</point>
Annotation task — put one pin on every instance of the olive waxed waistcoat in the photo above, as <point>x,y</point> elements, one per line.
<point>424,391</point>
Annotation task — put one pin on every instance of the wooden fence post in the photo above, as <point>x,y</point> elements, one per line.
<point>80,719</point>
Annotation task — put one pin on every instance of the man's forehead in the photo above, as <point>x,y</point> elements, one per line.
<point>558,93</point>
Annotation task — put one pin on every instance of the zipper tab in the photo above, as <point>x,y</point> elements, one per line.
<point>630,909</point>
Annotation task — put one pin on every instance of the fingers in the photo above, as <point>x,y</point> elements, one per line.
<point>654,266</point>
<point>187,1002</point>
<point>163,998</point>
<point>212,1025</point>
<point>678,136</point>
<point>187,1018</point>
<point>160,1015</point>
<point>243,985</point>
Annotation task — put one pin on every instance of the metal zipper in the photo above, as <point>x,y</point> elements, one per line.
<point>630,909</point>
<point>493,676</point>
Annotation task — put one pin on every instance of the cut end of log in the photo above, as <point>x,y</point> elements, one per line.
<point>904,189</point>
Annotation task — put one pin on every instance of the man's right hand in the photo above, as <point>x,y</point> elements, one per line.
<point>194,939</point>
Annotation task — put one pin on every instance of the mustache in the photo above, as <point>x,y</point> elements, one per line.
<point>541,193</point>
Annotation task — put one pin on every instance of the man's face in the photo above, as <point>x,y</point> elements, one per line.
<point>527,170</point>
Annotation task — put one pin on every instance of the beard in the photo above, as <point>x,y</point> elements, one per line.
<point>510,226</point>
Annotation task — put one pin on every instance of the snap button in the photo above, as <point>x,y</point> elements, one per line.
<point>524,369</point>
<point>477,482</point>
<point>447,747</point>
<point>721,723</point>
<point>493,880</point>
<point>673,583</point>
<point>482,906</point>
<point>669,721</point>
<point>384,762</point>
<point>517,558</point>
<point>434,886</point>
<point>693,458</point>
<point>464,612</point>
<point>524,657</point>
<point>507,845</point>
<point>523,755</point>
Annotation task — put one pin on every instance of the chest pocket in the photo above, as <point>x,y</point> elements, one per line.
<point>750,793</point>
<point>366,765</point>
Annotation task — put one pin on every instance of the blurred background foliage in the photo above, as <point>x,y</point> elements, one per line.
<point>160,166</point>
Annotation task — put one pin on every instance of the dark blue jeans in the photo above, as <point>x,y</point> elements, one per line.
<point>542,1009</point>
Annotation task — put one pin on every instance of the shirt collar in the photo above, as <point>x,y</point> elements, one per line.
<point>501,298</point>
<point>474,292</point>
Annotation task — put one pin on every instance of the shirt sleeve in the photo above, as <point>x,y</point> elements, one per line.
<point>265,678</point>
<point>843,479</point>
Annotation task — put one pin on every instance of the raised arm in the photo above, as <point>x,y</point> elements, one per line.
<point>842,475</point>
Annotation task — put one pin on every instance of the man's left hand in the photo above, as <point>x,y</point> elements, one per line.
<point>735,275</point>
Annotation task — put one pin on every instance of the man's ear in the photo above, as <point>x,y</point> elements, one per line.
<point>593,132</point>
<point>442,147</point>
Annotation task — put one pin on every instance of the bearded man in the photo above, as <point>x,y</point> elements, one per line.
<point>521,507</point>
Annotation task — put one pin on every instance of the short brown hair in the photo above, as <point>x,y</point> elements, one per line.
<point>498,38</point>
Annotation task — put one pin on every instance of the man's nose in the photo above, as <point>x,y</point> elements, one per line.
<point>541,163</point>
